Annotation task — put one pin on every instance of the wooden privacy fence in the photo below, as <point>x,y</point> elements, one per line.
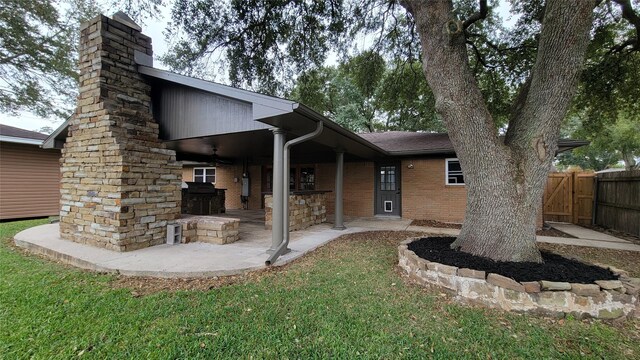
<point>618,201</point>
<point>568,197</point>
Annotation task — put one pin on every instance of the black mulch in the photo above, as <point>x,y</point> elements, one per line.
<point>554,267</point>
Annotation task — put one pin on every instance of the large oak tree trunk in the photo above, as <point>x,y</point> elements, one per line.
<point>504,176</point>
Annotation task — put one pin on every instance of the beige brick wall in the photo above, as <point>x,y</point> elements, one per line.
<point>425,194</point>
<point>358,187</point>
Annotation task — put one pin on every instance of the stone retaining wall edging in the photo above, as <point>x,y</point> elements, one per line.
<point>604,300</point>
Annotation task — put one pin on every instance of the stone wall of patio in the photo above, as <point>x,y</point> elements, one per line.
<point>209,229</point>
<point>305,209</point>
<point>604,299</point>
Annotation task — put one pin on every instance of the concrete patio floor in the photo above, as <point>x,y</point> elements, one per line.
<point>194,259</point>
<point>247,254</point>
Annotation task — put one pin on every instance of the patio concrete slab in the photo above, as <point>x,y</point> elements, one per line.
<point>185,260</point>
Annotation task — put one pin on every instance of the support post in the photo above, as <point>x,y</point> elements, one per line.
<point>277,188</point>
<point>339,219</point>
<point>284,216</point>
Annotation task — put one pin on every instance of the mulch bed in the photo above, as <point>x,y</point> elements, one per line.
<point>554,267</point>
<point>436,224</point>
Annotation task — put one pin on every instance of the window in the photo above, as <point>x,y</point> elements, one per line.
<point>204,175</point>
<point>292,179</point>
<point>388,178</point>
<point>454,172</point>
<point>301,177</point>
<point>307,179</point>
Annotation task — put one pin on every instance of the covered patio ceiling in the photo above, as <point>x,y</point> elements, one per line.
<point>196,116</point>
<point>255,146</point>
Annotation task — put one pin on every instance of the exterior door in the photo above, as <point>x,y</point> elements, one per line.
<point>388,194</point>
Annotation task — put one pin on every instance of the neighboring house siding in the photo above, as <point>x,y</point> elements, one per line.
<point>29,181</point>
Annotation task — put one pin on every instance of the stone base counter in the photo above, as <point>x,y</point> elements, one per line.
<point>606,299</point>
<point>209,229</point>
<point>306,208</point>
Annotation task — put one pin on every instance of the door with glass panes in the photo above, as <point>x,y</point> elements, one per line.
<point>388,194</point>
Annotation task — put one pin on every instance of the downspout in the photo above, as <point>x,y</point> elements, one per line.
<point>285,209</point>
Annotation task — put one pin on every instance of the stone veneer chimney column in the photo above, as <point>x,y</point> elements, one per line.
<point>120,186</point>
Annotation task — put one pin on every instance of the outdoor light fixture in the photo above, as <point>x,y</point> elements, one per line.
<point>410,166</point>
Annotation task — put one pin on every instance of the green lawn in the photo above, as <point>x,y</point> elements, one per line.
<point>344,301</point>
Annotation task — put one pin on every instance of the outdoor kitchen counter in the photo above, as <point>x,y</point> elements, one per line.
<point>306,208</point>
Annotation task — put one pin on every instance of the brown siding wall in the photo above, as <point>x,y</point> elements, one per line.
<point>29,181</point>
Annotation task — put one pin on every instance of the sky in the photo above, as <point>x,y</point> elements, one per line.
<point>154,28</point>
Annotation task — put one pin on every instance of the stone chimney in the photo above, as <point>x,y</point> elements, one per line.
<point>120,186</point>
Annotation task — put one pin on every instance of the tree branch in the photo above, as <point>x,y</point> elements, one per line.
<point>479,56</point>
<point>544,99</point>
<point>630,15</point>
<point>480,15</point>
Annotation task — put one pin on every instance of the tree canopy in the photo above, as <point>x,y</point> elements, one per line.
<point>38,51</point>
<point>37,62</point>
<point>365,94</point>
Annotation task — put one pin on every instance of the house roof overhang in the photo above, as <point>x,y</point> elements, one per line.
<point>258,113</point>
<point>19,140</point>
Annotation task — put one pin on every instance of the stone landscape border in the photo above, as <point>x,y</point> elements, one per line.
<point>605,299</point>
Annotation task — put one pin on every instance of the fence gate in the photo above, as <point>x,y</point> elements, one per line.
<point>568,197</point>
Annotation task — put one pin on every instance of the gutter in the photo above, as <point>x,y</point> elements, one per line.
<point>19,140</point>
<point>282,248</point>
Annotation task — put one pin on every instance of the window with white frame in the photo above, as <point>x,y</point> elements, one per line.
<point>453,174</point>
<point>204,174</point>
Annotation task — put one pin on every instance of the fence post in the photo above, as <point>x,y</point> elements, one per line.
<point>595,201</point>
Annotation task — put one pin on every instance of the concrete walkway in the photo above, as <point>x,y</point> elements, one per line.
<point>587,237</point>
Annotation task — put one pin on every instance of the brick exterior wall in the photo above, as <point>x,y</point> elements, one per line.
<point>120,186</point>
<point>358,187</point>
<point>425,194</point>
<point>225,179</point>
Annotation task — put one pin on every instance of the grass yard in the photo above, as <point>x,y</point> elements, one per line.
<point>346,300</point>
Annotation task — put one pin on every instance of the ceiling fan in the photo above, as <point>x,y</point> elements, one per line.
<point>218,160</point>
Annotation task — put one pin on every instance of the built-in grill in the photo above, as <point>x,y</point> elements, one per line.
<point>202,199</point>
